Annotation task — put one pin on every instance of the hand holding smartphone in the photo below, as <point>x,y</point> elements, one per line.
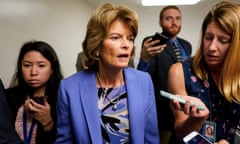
<point>179,99</point>
<point>158,36</point>
<point>195,138</point>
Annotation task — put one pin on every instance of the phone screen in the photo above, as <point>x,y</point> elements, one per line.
<point>163,39</point>
<point>39,100</point>
<point>198,139</point>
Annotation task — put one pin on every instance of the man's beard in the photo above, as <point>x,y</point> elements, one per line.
<point>171,33</point>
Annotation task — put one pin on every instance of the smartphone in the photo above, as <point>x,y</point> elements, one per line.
<point>158,36</point>
<point>38,99</point>
<point>179,99</point>
<point>195,138</point>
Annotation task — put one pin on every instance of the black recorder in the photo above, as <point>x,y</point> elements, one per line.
<point>158,36</point>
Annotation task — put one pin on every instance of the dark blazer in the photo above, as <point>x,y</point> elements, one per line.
<point>8,134</point>
<point>158,69</point>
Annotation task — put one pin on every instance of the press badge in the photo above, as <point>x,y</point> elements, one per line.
<point>209,130</point>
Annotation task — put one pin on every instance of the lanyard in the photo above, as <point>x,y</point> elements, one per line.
<point>27,137</point>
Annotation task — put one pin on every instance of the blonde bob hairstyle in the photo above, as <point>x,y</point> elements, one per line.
<point>227,15</point>
<point>98,26</point>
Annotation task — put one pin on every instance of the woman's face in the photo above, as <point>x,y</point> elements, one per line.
<point>36,69</point>
<point>216,43</point>
<point>117,46</point>
<point>209,130</point>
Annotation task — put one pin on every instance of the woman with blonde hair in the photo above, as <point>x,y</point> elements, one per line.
<point>211,78</point>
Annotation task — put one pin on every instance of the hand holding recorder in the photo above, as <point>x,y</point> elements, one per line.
<point>190,105</point>
<point>179,99</point>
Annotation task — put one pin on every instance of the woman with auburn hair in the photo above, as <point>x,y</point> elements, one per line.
<point>109,102</point>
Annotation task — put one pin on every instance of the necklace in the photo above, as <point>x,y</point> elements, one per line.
<point>113,102</point>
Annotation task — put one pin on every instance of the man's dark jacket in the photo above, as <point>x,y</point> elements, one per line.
<point>8,134</point>
<point>158,69</point>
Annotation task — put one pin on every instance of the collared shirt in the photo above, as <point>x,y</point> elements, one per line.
<point>183,52</point>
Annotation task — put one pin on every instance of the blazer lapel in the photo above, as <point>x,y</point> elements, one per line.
<point>135,105</point>
<point>90,106</point>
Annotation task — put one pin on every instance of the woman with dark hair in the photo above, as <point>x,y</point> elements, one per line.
<point>32,94</point>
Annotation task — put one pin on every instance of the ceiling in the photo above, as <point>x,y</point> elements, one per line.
<point>131,3</point>
<point>95,3</point>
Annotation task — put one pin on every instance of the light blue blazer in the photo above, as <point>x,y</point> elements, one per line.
<point>78,119</point>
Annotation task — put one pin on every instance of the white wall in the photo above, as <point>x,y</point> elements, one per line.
<point>62,23</point>
<point>59,22</point>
